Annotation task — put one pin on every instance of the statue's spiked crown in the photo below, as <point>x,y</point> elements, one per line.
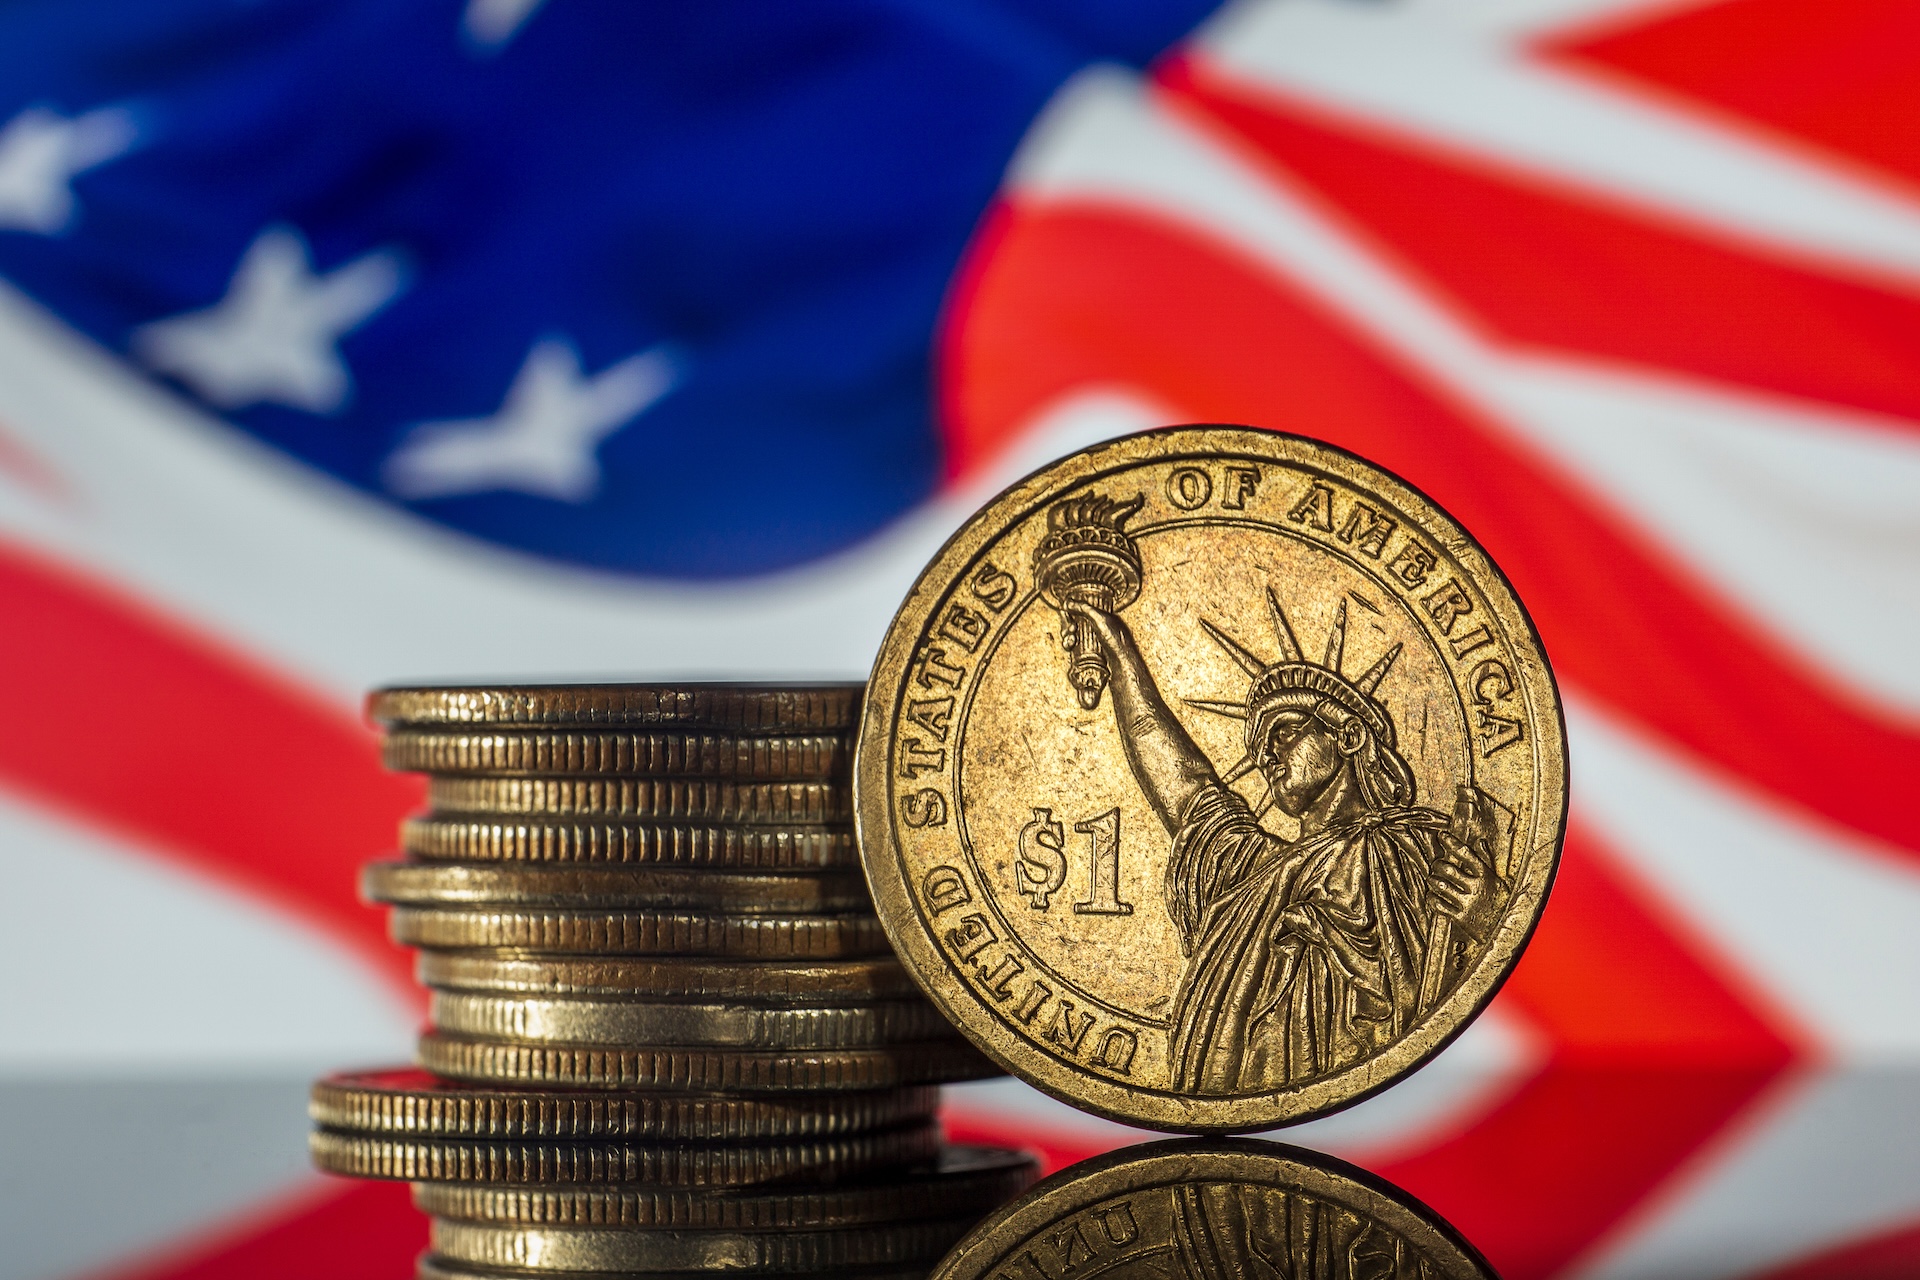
<point>1295,675</point>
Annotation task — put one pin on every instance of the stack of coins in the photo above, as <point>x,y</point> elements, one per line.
<point>668,1035</point>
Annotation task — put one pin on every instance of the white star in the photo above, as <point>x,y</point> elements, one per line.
<point>543,439</point>
<point>272,337</point>
<point>41,151</point>
<point>491,23</point>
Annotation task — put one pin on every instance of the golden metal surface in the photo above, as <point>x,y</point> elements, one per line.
<point>755,981</point>
<point>751,1070</point>
<point>797,708</point>
<point>1214,1211</point>
<point>651,1024</point>
<point>1211,779</point>
<point>960,1180</point>
<point>430,1267</point>
<point>665,800</point>
<point>616,751</point>
<point>766,848</point>
<point>611,888</point>
<point>576,1249</point>
<point>406,1100</point>
<point>419,1159</point>
<point>681,933</point>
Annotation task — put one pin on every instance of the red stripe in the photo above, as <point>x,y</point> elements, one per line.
<point>1087,296</point>
<point>1654,1053</point>
<point>330,1231</point>
<point>128,721</point>
<point>1888,1255</point>
<point>1843,75</point>
<point>1546,265</point>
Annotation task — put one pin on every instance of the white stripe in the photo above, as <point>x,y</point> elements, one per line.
<point>1835,1161</point>
<point>1803,516</point>
<point>1420,71</point>
<point>124,963</point>
<point>1517,20</point>
<point>1827,922</point>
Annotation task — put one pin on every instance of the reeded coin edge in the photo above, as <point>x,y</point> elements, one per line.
<point>910,932</point>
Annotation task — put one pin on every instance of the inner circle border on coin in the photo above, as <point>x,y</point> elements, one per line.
<point>878,823</point>
<point>1133,1171</point>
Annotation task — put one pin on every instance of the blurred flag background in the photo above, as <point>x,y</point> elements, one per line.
<point>345,342</point>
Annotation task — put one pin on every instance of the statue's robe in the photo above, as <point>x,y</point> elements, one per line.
<point>1303,958</point>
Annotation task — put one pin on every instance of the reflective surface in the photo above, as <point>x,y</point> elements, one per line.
<point>1214,1210</point>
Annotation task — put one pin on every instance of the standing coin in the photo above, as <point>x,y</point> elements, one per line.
<point>1211,779</point>
<point>1235,1208</point>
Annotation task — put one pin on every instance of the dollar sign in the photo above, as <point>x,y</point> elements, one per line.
<point>1042,868</point>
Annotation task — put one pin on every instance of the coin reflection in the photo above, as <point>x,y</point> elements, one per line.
<point>1214,1210</point>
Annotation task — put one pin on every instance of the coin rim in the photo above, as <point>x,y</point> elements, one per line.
<point>803,983</point>
<point>853,1203</point>
<point>746,705</point>
<point>894,898</point>
<point>1246,1160</point>
<point>363,1102</point>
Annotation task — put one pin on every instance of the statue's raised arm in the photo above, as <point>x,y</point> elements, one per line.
<point>1171,769</point>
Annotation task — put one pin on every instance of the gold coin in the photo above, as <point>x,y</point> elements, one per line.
<point>795,708</point>
<point>747,1070</point>
<point>682,933</point>
<point>767,981</point>
<point>420,1159</point>
<point>659,888</point>
<point>1214,1209</point>
<point>616,751</point>
<point>406,1100</point>
<point>590,1249</point>
<point>1211,779</point>
<point>668,800</point>
<point>627,1023</point>
<point>620,843</point>
<point>960,1180</point>
<point>430,1267</point>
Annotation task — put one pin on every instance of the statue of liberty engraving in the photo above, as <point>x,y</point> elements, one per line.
<point>1307,956</point>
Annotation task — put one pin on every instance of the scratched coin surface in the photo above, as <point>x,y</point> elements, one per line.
<point>1211,779</point>
<point>1221,1210</point>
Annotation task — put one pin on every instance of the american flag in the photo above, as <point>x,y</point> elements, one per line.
<point>347,342</point>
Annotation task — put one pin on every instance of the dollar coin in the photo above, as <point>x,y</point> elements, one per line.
<point>664,800</point>
<point>682,933</point>
<point>1214,1209</point>
<point>575,1249</point>
<point>747,708</point>
<point>615,751</point>
<point>673,1067</point>
<point>1211,779</point>
<point>409,1158</point>
<point>959,1180</point>
<point>662,888</point>
<point>763,848</point>
<point>542,1020</point>
<point>434,1267</point>
<point>406,1100</point>
<point>823,982</point>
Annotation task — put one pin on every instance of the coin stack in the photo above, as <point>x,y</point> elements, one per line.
<point>668,1035</point>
